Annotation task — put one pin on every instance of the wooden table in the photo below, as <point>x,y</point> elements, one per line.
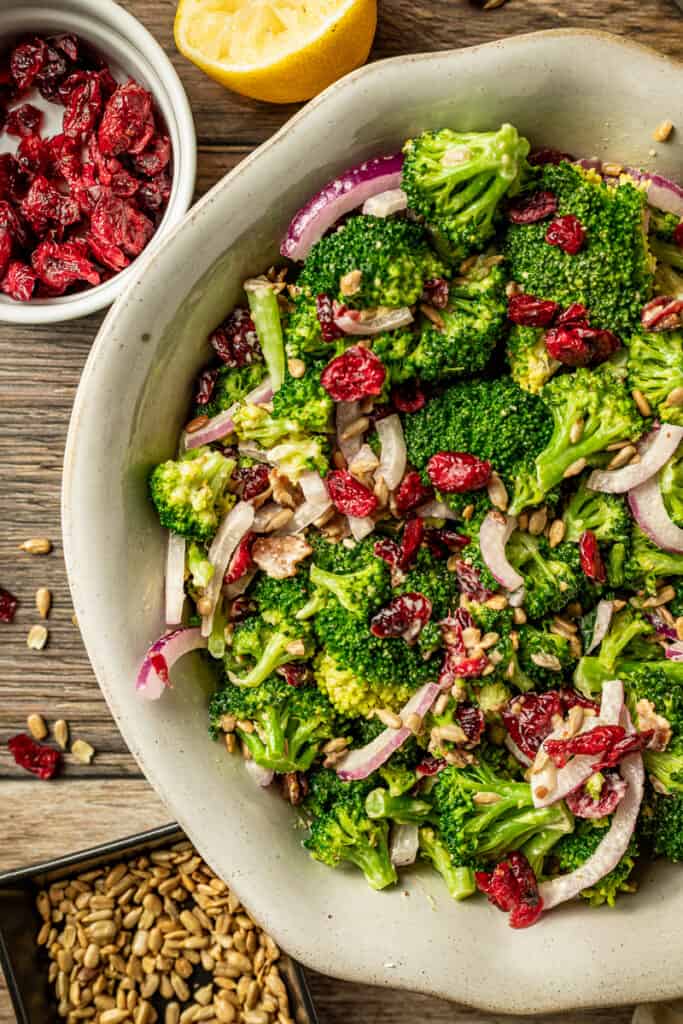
<point>39,372</point>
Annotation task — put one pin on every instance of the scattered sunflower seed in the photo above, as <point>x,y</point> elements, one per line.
<point>37,546</point>
<point>37,638</point>
<point>82,751</point>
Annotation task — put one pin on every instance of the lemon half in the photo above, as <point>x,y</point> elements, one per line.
<point>281,51</point>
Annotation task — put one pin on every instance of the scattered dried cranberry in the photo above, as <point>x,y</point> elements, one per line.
<point>64,157</point>
<point>443,542</point>
<point>583,805</point>
<point>8,605</point>
<point>10,176</point>
<point>567,346</point>
<point>60,265</point>
<point>529,311</point>
<point>241,562</point>
<point>206,383</point>
<point>34,757</point>
<point>348,495</point>
<point>19,281</point>
<point>567,233</point>
<point>33,155</point>
<point>408,397</point>
<point>111,172</point>
<point>457,666</point>
<point>575,315</point>
<point>512,887</point>
<point>44,205</point>
<point>254,480</point>
<point>469,581</point>
<point>241,608</point>
<point>353,375</point>
<point>632,744</point>
<point>107,254</point>
<point>118,222</point>
<point>430,765</point>
<point>528,717</point>
<point>389,551</point>
<point>155,158</point>
<point>663,313</point>
<point>403,617</point>
<point>83,108</point>
<point>471,721</point>
<point>591,560</point>
<point>235,340</point>
<point>24,120</point>
<point>598,740</point>
<point>54,68</point>
<point>26,61</point>
<point>435,292</point>
<point>532,208</point>
<point>452,629</point>
<point>411,493</point>
<point>678,235</point>
<point>413,536</point>
<point>127,124</point>
<point>325,313</point>
<point>548,156</point>
<point>294,672</point>
<point>457,472</point>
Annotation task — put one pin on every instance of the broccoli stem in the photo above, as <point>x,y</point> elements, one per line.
<point>265,312</point>
<point>274,654</point>
<point>405,810</point>
<point>459,880</point>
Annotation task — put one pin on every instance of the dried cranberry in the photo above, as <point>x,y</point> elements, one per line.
<point>457,472</point>
<point>108,255</point>
<point>241,608</point>
<point>51,74</point>
<point>325,313</point>
<point>443,542</point>
<point>583,805</point>
<point>604,344</point>
<point>532,208</point>
<point>458,666</point>
<point>348,495</point>
<point>435,292</point>
<point>241,562</point>
<point>83,109</point>
<point>598,740</point>
<point>403,617</point>
<point>67,44</point>
<point>26,61</point>
<point>632,744</point>
<point>8,605</point>
<point>663,313</point>
<point>548,156</point>
<point>116,221</point>
<point>5,248</point>
<point>411,493</point>
<point>127,124</point>
<point>353,375</point>
<point>206,383</point>
<point>471,720</point>
<point>24,120</point>
<point>254,480</point>
<point>453,626</point>
<point>512,887</point>
<point>33,154</point>
<point>60,266</point>
<point>34,757</point>
<point>430,765</point>
<point>10,176</point>
<point>389,551</point>
<point>469,581</point>
<point>529,311</point>
<point>235,340</point>
<point>575,315</point>
<point>111,172</point>
<point>295,673</point>
<point>154,195</point>
<point>591,560</point>
<point>529,719</point>
<point>154,158</point>
<point>408,397</point>
<point>413,536</point>
<point>567,233</point>
<point>678,235</point>
<point>44,205</point>
<point>65,157</point>
<point>567,346</point>
<point>19,281</point>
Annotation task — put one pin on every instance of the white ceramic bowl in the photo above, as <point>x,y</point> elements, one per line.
<point>131,51</point>
<point>572,90</point>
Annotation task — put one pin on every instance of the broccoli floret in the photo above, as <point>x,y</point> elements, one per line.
<point>287,445</point>
<point>200,568</point>
<point>662,225</point>
<point>543,656</point>
<point>305,401</point>
<point>655,367</point>
<point>280,599</point>
<point>492,419</point>
<point>265,312</point>
<point>231,386</point>
<point>340,829</point>
<point>339,558</point>
<point>605,515</point>
<point>665,693</point>
<point>473,323</point>
<point>431,577</point>
<point>393,349</point>
<point>303,336</point>
<point>352,694</point>
<point>380,805</point>
<point>459,880</point>
<point>625,629</point>
<point>648,563</point>
<point>531,365</point>
<point>392,255</point>
<point>551,576</point>
<point>492,698</point>
<point>666,827</point>
<point>456,181</point>
<point>612,274</point>
<point>573,850</point>
<point>361,592</point>
<point>398,773</point>
<point>671,486</point>
<point>259,648</point>
<point>599,399</point>
<point>291,723</point>
<point>191,495</point>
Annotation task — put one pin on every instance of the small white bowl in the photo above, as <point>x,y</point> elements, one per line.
<point>131,52</point>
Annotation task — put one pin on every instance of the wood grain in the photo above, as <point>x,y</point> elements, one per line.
<point>39,373</point>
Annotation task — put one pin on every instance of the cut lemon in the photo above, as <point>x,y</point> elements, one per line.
<point>281,51</point>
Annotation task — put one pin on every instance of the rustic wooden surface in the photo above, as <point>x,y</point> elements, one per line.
<point>39,372</point>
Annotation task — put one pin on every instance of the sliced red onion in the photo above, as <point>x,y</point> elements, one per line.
<point>236,523</point>
<point>153,677</point>
<point>316,504</point>
<point>662,193</point>
<point>394,457</point>
<point>403,845</point>
<point>351,321</point>
<point>261,776</point>
<point>517,753</point>
<point>435,510</point>
<point>360,763</point>
<point>590,164</point>
<point>649,511</point>
<point>494,533</point>
<point>175,579</point>
<point>386,203</point>
<point>346,414</point>
<point>655,449</point>
<point>613,846</point>
<point>661,627</point>
<point>603,617</point>
<point>347,192</point>
<point>361,526</point>
<point>222,424</point>
<point>674,652</point>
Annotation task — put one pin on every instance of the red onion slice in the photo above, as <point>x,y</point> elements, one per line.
<point>153,677</point>
<point>649,511</point>
<point>674,652</point>
<point>403,845</point>
<point>394,457</point>
<point>655,449</point>
<point>222,424</point>
<point>662,193</point>
<point>603,617</point>
<point>261,776</point>
<point>361,526</point>
<point>494,533</point>
<point>435,510</point>
<point>238,521</point>
<point>360,763</point>
<point>347,192</point>
<point>384,204</point>
<point>346,414</point>
<point>175,579</point>
<point>351,321</point>
<point>316,504</point>
<point>517,753</point>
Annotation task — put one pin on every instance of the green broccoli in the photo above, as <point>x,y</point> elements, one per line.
<point>259,648</point>
<point>655,367</point>
<point>305,401</point>
<point>573,850</point>
<point>457,180</point>
<point>340,829</point>
<point>339,558</point>
<point>605,515</point>
<point>278,600</point>
<point>393,349</point>
<point>290,723</point>
<point>231,386</point>
<point>648,563</point>
<point>531,365</point>
<point>381,805</point>
<point>671,486</point>
<point>303,337</point>
<point>544,657</point>
<point>599,399</point>
<point>625,629</point>
<point>431,577</point>
<point>552,576</point>
<point>352,693</point>
<point>265,312</point>
<point>361,592</point>
<point>665,692</point>
<point>192,494</point>
<point>294,451</point>
<point>666,827</point>
<point>459,879</point>
<point>662,225</point>
<point>612,274</point>
<point>473,323</point>
<point>200,568</point>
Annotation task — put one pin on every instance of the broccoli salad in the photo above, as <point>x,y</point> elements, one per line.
<point>427,522</point>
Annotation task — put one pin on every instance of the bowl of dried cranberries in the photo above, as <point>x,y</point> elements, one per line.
<point>97,156</point>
